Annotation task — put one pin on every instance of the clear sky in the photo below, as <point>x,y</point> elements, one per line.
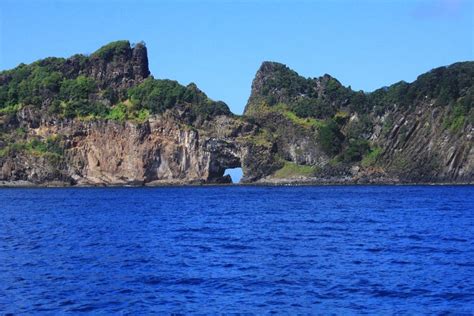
<point>219,45</point>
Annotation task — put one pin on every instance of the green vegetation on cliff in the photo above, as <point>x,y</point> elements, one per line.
<point>330,137</point>
<point>292,170</point>
<point>45,85</point>
<point>322,97</point>
<point>157,96</point>
<point>112,49</point>
<point>461,112</point>
<point>445,85</point>
<point>51,147</point>
<point>319,98</point>
<point>31,84</point>
<point>65,88</point>
<point>370,159</point>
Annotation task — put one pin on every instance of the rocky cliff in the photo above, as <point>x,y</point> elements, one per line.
<point>103,120</point>
<point>406,133</point>
<point>159,150</point>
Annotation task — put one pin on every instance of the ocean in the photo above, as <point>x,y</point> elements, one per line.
<point>237,249</point>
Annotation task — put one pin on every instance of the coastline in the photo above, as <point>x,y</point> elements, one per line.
<point>293,183</point>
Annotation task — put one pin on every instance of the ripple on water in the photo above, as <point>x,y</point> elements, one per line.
<point>254,250</point>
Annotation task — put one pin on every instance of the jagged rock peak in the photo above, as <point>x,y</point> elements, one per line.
<point>270,70</point>
<point>123,50</point>
<point>269,75</point>
<point>118,64</point>
<point>275,82</point>
<point>269,67</point>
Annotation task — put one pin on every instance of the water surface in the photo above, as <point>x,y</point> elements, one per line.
<point>346,249</point>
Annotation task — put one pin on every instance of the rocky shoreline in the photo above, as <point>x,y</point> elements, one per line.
<point>266,183</point>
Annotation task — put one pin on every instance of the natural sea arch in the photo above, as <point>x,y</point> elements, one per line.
<point>235,174</point>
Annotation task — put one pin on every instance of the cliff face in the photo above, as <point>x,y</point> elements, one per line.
<point>159,150</point>
<point>102,120</point>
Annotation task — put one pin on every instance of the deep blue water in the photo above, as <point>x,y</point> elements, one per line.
<point>347,249</point>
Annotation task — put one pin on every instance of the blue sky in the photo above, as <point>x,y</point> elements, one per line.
<point>219,45</point>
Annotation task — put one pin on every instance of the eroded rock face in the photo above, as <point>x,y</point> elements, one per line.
<point>418,148</point>
<point>160,150</point>
<point>119,71</point>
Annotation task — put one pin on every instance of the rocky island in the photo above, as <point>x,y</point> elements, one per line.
<point>103,119</point>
